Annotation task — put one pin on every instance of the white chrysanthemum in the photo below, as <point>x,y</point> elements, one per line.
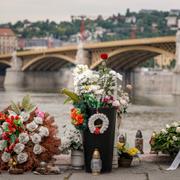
<point>2,145</point>
<point>164,131</point>
<point>167,126</point>
<point>43,131</point>
<point>24,116</point>
<point>4,125</point>
<point>80,69</point>
<point>38,120</point>
<point>174,138</point>
<point>175,124</point>
<point>6,157</point>
<point>23,138</point>
<point>22,158</point>
<point>32,126</point>
<point>178,129</point>
<point>36,138</point>
<point>18,148</point>
<point>38,149</point>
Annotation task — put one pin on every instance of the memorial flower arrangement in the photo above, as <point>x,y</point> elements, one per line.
<point>27,136</point>
<point>95,89</point>
<point>167,140</point>
<point>71,139</point>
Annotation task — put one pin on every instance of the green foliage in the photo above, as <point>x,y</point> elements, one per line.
<point>115,24</point>
<point>27,105</point>
<point>167,141</point>
<point>15,108</point>
<point>71,96</point>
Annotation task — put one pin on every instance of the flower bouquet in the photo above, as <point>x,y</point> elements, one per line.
<point>126,154</point>
<point>96,100</point>
<point>71,139</point>
<point>27,136</point>
<point>167,140</point>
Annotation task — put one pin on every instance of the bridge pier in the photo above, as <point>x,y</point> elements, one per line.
<point>14,79</point>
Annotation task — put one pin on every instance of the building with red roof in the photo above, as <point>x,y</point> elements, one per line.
<point>8,41</point>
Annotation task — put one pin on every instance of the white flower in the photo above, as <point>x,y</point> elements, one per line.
<point>38,149</point>
<point>24,116</point>
<point>123,102</point>
<point>175,124</point>
<point>18,148</point>
<point>178,129</point>
<point>164,131</point>
<point>112,72</point>
<point>38,120</point>
<point>6,157</point>
<point>43,131</point>
<point>167,126</point>
<point>4,125</point>
<point>174,138</point>
<point>2,144</point>
<point>119,76</point>
<point>22,158</point>
<point>116,103</point>
<point>36,138</point>
<point>32,126</point>
<point>23,138</point>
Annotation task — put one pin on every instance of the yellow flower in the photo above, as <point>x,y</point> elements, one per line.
<point>133,151</point>
<point>120,146</point>
<point>87,87</point>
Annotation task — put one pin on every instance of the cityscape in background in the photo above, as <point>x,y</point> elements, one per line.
<point>26,35</point>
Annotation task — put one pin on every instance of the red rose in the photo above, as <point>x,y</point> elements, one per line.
<point>104,56</point>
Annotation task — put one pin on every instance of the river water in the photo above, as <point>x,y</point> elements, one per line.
<point>144,116</point>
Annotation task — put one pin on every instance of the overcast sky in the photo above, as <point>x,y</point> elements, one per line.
<point>58,10</point>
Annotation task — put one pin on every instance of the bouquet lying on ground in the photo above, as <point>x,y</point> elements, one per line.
<point>167,140</point>
<point>95,89</point>
<point>27,136</point>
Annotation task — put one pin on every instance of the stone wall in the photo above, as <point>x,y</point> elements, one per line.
<point>153,87</point>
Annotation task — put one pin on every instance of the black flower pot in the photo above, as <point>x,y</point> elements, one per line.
<point>104,142</point>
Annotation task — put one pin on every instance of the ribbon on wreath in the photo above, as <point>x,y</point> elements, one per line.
<point>175,163</point>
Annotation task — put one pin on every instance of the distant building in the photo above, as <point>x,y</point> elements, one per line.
<point>154,27</point>
<point>175,12</point>
<point>130,19</point>
<point>147,11</point>
<point>172,21</point>
<point>8,41</point>
<point>38,43</point>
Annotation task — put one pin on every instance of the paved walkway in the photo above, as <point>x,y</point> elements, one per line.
<point>148,169</point>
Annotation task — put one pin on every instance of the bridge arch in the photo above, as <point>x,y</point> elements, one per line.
<point>47,63</point>
<point>130,57</point>
<point>3,66</point>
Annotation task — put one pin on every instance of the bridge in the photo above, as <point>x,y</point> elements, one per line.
<point>123,55</point>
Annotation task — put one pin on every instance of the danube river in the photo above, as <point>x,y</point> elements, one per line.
<point>145,117</point>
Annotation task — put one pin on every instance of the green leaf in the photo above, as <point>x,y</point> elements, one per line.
<point>12,137</point>
<point>31,108</point>
<point>67,100</point>
<point>15,108</point>
<point>26,102</point>
<point>73,96</point>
